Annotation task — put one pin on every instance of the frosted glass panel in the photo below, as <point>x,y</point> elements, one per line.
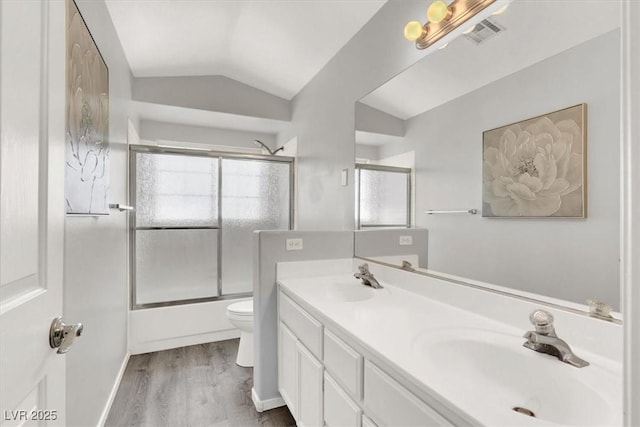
<point>173,265</point>
<point>383,197</point>
<point>174,190</point>
<point>255,196</point>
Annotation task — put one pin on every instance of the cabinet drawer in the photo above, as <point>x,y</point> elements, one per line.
<point>339,409</point>
<point>306,328</point>
<point>390,404</point>
<point>344,363</point>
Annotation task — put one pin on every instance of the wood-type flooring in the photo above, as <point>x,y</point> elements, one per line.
<point>193,386</point>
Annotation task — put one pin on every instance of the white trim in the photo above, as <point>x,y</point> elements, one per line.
<point>114,391</point>
<point>167,143</point>
<point>166,344</point>
<point>630,212</point>
<point>265,405</point>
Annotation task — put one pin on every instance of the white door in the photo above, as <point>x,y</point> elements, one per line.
<point>32,129</point>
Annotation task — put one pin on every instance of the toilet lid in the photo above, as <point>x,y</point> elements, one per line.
<point>243,308</point>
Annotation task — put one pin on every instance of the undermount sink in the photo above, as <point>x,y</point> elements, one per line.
<point>348,292</point>
<point>493,373</point>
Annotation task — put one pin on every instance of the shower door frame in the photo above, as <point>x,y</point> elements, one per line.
<point>194,152</point>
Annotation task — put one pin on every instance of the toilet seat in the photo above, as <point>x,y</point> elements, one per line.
<point>243,308</point>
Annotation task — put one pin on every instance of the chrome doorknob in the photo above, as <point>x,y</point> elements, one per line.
<point>61,335</point>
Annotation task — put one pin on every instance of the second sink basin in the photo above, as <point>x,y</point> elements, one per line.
<point>493,373</point>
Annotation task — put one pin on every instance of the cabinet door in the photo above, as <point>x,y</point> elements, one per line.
<point>288,368</point>
<point>339,409</point>
<point>309,389</point>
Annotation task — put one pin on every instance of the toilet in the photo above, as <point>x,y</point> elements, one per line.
<point>240,314</point>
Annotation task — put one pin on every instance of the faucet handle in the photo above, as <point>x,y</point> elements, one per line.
<point>599,309</point>
<point>364,268</point>
<point>406,265</point>
<point>542,320</point>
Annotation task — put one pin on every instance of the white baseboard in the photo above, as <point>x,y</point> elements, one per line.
<point>166,344</point>
<point>114,390</point>
<point>265,405</point>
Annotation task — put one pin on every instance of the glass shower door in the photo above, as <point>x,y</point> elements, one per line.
<point>255,196</point>
<point>194,218</point>
<point>176,228</point>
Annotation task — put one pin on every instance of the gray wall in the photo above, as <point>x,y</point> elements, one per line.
<point>369,152</point>
<point>323,113</point>
<point>95,261</point>
<point>153,130</point>
<point>575,259</point>
<point>369,119</point>
<point>212,93</point>
<point>381,243</point>
<point>269,248</point>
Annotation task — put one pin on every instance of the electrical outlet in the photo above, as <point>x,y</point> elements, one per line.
<point>406,240</point>
<point>294,244</point>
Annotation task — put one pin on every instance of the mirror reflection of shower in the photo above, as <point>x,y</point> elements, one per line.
<point>261,144</point>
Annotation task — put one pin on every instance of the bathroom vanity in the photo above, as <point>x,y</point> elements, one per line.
<point>419,353</point>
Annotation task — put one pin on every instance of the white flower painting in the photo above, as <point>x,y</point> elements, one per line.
<point>87,137</point>
<point>536,168</point>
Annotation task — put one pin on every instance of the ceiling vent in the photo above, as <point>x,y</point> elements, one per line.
<point>484,30</point>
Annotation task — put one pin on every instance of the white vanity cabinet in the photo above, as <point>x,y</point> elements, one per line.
<point>288,367</point>
<point>344,364</point>
<point>326,382</point>
<point>299,370</point>
<point>339,409</point>
<point>300,379</point>
<point>310,395</point>
<point>388,403</point>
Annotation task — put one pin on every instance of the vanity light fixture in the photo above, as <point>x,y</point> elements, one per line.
<point>442,19</point>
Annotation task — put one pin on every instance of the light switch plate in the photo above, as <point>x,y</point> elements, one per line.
<point>344,177</point>
<point>294,244</point>
<point>406,240</point>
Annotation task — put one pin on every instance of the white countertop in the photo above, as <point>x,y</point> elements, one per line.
<point>418,335</point>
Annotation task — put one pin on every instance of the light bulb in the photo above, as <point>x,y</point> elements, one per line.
<point>501,10</point>
<point>413,30</point>
<point>437,11</point>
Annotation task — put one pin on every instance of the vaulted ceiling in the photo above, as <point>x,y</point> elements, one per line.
<point>273,45</point>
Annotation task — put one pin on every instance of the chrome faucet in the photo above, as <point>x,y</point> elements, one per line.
<point>406,265</point>
<point>366,277</point>
<point>545,340</point>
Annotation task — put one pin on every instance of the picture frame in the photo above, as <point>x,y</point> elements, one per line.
<point>87,120</point>
<point>537,167</point>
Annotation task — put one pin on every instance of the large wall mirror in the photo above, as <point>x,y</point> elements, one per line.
<point>533,59</point>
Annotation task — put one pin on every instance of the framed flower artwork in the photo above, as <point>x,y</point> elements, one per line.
<point>87,136</point>
<point>537,167</point>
